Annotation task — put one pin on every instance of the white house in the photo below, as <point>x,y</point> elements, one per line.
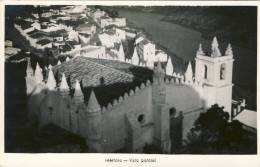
<point>120,22</point>
<point>120,33</point>
<point>146,50</point>
<point>98,14</point>
<point>93,52</point>
<point>160,56</point>
<point>108,39</point>
<point>87,28</point>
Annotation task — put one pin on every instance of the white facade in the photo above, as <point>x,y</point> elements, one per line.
<point>39,46</point>
<point>108,40</point>
<point>161,56</point>
<point>97,14</point>
<point>146,50</point>
<point>94,52</point>
<point>215,72</point>
<point>120,22</point>
<point>121,34</point>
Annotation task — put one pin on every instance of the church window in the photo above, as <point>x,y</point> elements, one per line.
<point>205,72</point>
<point>141,118</point>
<point>102,80</point>
<point>50,108</point>
<point>222,71</point>
<point>172,112</point>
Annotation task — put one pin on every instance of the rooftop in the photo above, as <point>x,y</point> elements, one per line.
<point>44,42</point>
<point>83,27</point>
<point>38,35</point>
<point>248,118</point>
<point>109,79</point>
<point>24,24</point>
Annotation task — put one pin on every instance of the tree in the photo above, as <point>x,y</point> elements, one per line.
<point>213,133</point>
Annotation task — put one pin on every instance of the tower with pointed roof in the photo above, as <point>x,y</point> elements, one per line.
<point>51,82</point>
<point>135,58</point>
<point>169,67</point>
<point>91,124</point>
<point>29,69</point>
<point>214,71</point>
<point>189,74</point>
<point>121,53</point>
<point>160,111</point>
<point>93,105</point>
<point>78,94</point>
<point>64,87</point>
<point>30,79</point>
<point>38,74</point>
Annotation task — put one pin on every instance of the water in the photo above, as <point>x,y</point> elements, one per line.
<point>184,43</point>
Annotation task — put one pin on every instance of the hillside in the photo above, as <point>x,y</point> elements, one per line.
<point>237,23</point>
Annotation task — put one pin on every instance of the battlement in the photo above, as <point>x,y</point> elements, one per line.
<point>65,90</point>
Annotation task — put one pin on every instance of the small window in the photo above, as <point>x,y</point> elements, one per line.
<point>50,108</point>
<point>68,106</point>
<point>205,72</point>
<point>141,118</point>
<point>172,112</point>
<point>102,81</point>
<point>222,71</point>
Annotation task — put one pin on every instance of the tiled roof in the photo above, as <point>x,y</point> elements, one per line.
<point>72,43</point>
<point>43,42</point>
<point>24,24</point>
<point>66,48</point>
<point>59,33</point>
<point>34,32</point>
<point>38,35</point>
<point>118,77</point>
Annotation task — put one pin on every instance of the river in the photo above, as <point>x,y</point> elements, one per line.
<point>184,43</point>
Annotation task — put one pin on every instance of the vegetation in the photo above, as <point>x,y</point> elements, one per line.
<point>237,24</point>
<point>214,134</point>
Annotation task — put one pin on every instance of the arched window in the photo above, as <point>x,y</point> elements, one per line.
<point>222,75</point>
<point>102,80</point>
<point>172,112</point>
<point>205,72</point>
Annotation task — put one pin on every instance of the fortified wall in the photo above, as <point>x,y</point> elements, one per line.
<point>159,113</point>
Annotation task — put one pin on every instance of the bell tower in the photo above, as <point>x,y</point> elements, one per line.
<point>214,72</point>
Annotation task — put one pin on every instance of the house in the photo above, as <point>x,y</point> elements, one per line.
<point>98,52</point>
<point>11,51</point>
<point>97,14</point>
<point>23,27</point>
<point>44,43</point>
<point>161,56</point>
<point>146,51</point>
<point>87,28</point>
<point>8,43</point>
<point>108,39</point>
<point>121,33</point>
<point>107,21</point>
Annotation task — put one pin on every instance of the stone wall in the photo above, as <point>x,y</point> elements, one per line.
<point>115,129</point>
<point>127,123</point>
<point>185,99</point>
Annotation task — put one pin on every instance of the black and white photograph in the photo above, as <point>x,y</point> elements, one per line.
<point>130,79</point>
